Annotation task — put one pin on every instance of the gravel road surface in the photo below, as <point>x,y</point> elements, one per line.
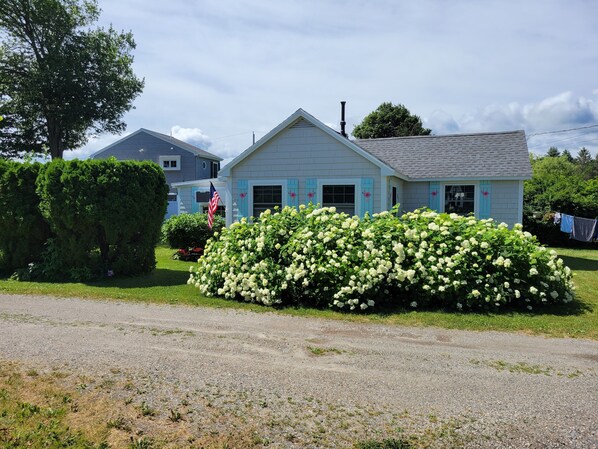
<point>333,382</point>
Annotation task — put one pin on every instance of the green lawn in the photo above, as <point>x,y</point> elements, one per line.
<point>167,284</point>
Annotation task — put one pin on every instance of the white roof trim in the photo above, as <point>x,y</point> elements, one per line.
<point>200,183</point>
<point>300,113</point>
<point>470,178</point>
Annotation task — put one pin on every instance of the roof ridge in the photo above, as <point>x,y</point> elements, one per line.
<point>486,133</point>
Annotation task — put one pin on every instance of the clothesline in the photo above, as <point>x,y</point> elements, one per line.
<point>578,228</point>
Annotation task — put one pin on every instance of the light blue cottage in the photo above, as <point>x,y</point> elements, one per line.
<point>303,160</point>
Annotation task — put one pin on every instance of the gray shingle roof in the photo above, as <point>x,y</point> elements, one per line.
<point>498,155</point>
<point>186,146</point>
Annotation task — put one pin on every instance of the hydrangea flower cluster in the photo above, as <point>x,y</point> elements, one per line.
<point>318,257</point>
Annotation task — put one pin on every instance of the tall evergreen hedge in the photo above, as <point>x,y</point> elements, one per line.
<point>106,216</point>
<point>23,230</point>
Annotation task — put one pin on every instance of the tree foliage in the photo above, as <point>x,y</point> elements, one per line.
<point>23,230</point>
<point>190,230</point>
<point>61,80</point>
<point>106,216</point>
<point>390,120</point>
<point>560,184</point>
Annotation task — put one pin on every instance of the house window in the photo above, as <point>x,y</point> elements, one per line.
<point>172,197</point>
<point>266,197</point>
<point>459,199</point>
<point>341,196</point>
<point>220,210</point>
<point>204,165</point>
<point>215,169</point>
<point>394,196</point>
<point>169,163</point>
<point>202,197</point>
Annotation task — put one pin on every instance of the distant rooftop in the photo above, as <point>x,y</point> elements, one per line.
<point>187,146</point>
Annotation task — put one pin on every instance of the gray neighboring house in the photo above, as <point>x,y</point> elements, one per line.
<point>302,160</point>
<point>180,161</point>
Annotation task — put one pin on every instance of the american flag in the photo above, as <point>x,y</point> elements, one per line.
<point>213,205</point>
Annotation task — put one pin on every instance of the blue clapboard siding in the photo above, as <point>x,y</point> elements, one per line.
<point>305,152</point>
<point>172,209</point>
<point>142,146</point>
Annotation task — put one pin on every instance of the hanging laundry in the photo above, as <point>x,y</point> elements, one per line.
<point>557,218</point>
<point>584,229</point>
<point>567,223</point>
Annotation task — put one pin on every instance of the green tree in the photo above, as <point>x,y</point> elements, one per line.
<point>61,80</point>
<point>554,185</point>
<point>390,120</point>
<point>583,156</point>
<point>567,155</point>
<point>553,152</point>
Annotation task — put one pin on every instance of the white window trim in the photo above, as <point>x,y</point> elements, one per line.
<point>476,194</point>
<point>266,182</point>
<point>161,160</point>
<point>342,181</point>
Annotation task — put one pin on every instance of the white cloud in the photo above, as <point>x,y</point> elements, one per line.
<point>559,112</point>
<point>236,67</point>
<point>194,136</point>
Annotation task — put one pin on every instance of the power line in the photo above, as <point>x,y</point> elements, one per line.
<point>561,131</point>
<point>574,138</point>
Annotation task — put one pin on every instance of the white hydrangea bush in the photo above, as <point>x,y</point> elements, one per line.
<point>321,258</point>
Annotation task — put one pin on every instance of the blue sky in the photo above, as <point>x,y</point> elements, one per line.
<point>216,71</point>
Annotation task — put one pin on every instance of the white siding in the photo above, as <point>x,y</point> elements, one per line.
<point>415,195</point>
<point>303,151</point>
<point>504,203</point>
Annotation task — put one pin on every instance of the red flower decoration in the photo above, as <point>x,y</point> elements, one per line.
<point>367,194</point>
<point>311,194</point>
<point>434,193</point>
<point>293,194</point>
<point>243,195</point>
<point>485,193</point>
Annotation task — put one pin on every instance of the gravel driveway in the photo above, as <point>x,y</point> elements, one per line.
<point>327,382</point>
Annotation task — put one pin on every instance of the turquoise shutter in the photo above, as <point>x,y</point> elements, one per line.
<point>435,196</point>
<point>194,203</point>
<point>367,196</point>
<point>485,196</point>
<point>242,198</point>
<point>311,191</point>
<point>293,192</point>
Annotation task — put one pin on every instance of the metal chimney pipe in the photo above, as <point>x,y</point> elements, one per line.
<point>343,123</point>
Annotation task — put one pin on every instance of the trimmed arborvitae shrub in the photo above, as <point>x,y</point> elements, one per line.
<point>318,257</point>
<point>23,230</point>
<point>106,216</point>
<point>190,230</point>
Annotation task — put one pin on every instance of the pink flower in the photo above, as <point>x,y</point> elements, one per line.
<point>310,194</point>
<point>243,195</point>
<point>293,194</point>
<point>367,194</point>
<point>485,193</point>
<point>434,193</point>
